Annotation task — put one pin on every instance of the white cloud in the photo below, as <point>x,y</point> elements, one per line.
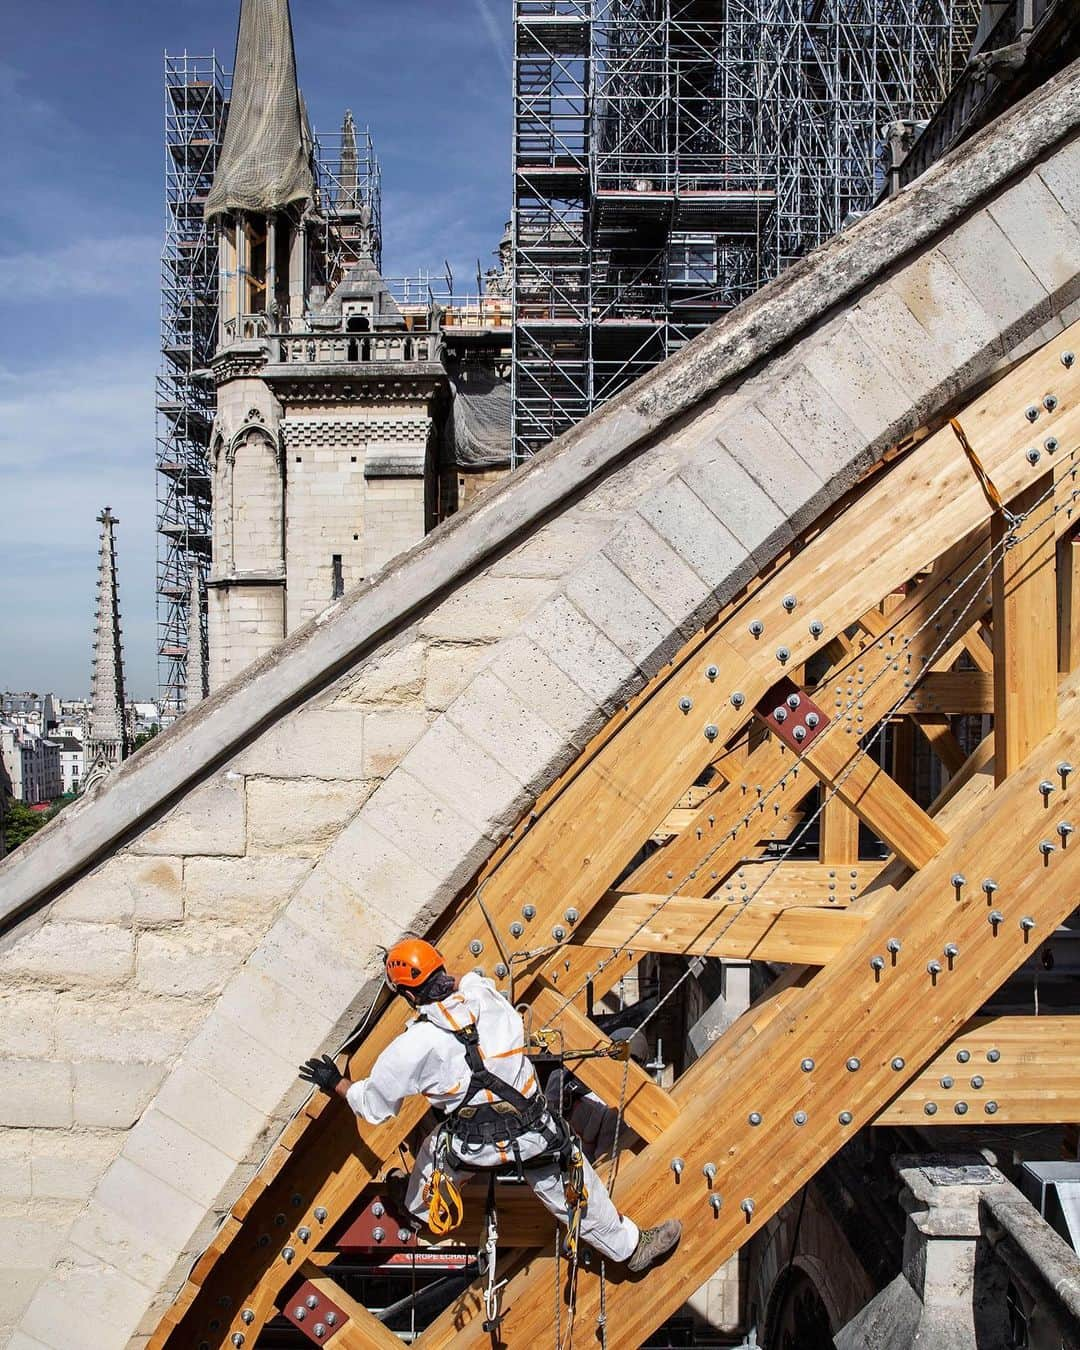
<point>498,33</point>
<point>124,265</point>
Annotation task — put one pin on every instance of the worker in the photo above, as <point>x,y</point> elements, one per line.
<point>465,1052</point>
<point>596,1124</point>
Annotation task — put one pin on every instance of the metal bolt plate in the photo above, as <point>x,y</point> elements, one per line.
<point>379,1213</point>
<point>324,1313</point>
<point>780,696</point>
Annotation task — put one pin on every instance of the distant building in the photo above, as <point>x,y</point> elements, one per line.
<point>72,763</point>
<point>31,764</point>
<point>39,713</point>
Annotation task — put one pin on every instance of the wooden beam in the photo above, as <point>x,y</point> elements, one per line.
<point>937,729</point>
<point>1019,1071</point>
<point>1025,626</point>
<point>962,691</point>
<point>1068,583</point>
<point>362,1331</point>
<point>797,883</point>
<point>838,840</point>
<point>755,930</point>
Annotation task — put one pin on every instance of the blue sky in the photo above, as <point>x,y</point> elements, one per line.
<point>80,233</point>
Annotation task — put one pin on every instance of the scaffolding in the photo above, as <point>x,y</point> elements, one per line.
<point>196,105</point>
<point>671,156</point>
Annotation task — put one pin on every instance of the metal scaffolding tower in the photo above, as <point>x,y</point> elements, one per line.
<point>671,156</point>
<point>196,105</point>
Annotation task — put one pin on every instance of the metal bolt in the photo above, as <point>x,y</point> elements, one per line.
<point>812,719</point>
<point>950,951</point>
<point>738,698</point>
<point>789,602</point>
<point>893,945</point>
<point>990,886</point>
<point>930,1108</point>
<point>287,1254</point>
<point>571,915</point>
<point>816,628</point>
<point>793,701</point>
<point>528,912</point>
<point>958,880</point>
<point>1027,923</point>
<point>962,1056</point>
<point>319,1330</point>
<point>877,963</point>
<point>312,1301</point>
<point>1051,443</point>
<point>934,967</point>
<point>711,672</point>
<point>782,654</point>
<point>247,1317</point>
<point>960,1108</point>
<point>331,1319</point>
<point>754,1117</point>
<point>677,1166</point>
<point>300,1312</point>
<point>709,1171</point>
<point>516,929</point>
<point>501,970</point>
<point>799,1117</point>
<point>799,733</point>
<point>1050,402</point>
<point>995,917</point>
<point>685,704</point>
<point>993,1056</point>
<point>977,1081</point>
<point>1033,456</point>
<point>711,731</point>
<point>1046,787</point>
<point>844,1117</point>
<point>558,932</point>
<point>378,1209</point>
<point>238,1338</point>
<point>756,628</point>
<point>1064,830</point>
<point>780,714</point>
<point>715,1201</point>
<point>1064,769</point>
<point>990,1108</point>
<point>1046,847</point>
<point>378,1234</point>
<point>947,1081</point>
<point>403,1235</point>
<point>303,1234</point>
<point>898,1063</point>
<point>1031,413</point>
<point>807,1066</point>
<point>747,1206</point>
<point>854,1065</point>
<point>320,1214</point>
<point>1067,358</point>
<point>476,946</point>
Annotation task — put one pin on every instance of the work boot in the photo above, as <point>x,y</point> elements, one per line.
<point>653,1243</point>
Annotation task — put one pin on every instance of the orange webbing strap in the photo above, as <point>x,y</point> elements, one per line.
<point>445,1207</point>
<point>993,496</point>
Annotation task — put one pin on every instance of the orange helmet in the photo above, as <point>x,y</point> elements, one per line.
<point>411,962</point>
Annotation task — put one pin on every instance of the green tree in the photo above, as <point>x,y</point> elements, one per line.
<point>144,736</point>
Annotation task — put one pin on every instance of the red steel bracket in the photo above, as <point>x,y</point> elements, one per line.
<point>319,1318</point>
<point>792,716</point>
<point>380,1226</point>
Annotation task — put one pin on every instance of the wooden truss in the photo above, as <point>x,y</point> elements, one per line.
<point>944,586</point>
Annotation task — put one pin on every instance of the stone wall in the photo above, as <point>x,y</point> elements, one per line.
<point>214,915</point>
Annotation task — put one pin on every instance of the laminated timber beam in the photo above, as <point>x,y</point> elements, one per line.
<point>568,852</point>
<point>836,1055</point>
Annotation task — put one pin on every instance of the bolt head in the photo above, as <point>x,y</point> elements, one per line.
<point>571,915</point>
<point>960,1108</point>
<point>1031,413</point>
<point>977,1081</point>
<point>476,946</point>
<point>845,1117</point>
<point>501,970</point>
<point>898,1063</point>
<point>320,1214</point>
<point>1050,402</point>
<point>756,628</point>
<point>685,704</point>
<point>303,1234</point>
<point>807,1066</point>
<point>558,932</point>
<point>287,1254</point>
<point>378,1209</point>
<point>990,886</point>
<point>962,1056</point>
<point>958,880</point>
<point>995,917</point>
<point>319,1330</point>
<point>711,672</point>
<point>238,1338</point>
<point>779,714</point>
<point>893,945</point>
<point>991,1108</point>
<point>816,628</point>
<point>789,602</point>
<point>1027,923</point>
<point>1033,456</point>
<point>933,967</point>
<point>1046,787</point>
<point>1050,444</point>
<point>300,1312</point>
<point>312,1301</point>
<point>516,929</point>
<point>403,1235</point>
<point>715,1201</point>
<point>331,1319</point>
<point>247,1317</point>
<point>799,1117</point>
<point>947,1081</point>
<point>812,719</point>
<point>993,1055</point>
<point>854,1064</point>
<point>930,1108</point>
<point>782,654</point>
<point>738,698</point>
<point>877,963</point>
<point>754,1117</point>
<point>528,912</point>
<point>711,732</point>
<point>1067,358</point>
<point>677,1166</point>
<point>799,733</point>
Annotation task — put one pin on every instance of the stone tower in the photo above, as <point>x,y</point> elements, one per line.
<point>106,737</point>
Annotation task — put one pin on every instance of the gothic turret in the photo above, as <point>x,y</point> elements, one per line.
<point>106,738</point>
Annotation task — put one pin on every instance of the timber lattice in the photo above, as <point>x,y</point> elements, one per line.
<point>906,615</point>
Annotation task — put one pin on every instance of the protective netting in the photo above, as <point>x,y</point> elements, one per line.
<point>479,418</point>
<point>265,159</point>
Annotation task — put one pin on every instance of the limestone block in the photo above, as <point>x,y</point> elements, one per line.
<point>504,724</point>
<point>388,678</point>
<point>20,1341</point>
<point>577,646</point>
<point>270,1015</point>
<point>467,778</point>
<point>241,890</point>
<point>958,328</point>
<point>101,1301</point>
<point>555,549</point>
<point>487,608</point>
<point>123,1025</point>
<point>886,324</point>
<point>71,953</point>
<point>448,668</point>
<point>113,1096</point>
<point>388,735</point>
<point>770,460</point>
<point>422,824</point>
<point>746,510</point>
<point>1001,281</point>
<point>312,743</point>
<point>1061,174</point>
<point>681,518</point>
<point>14,1165</point>
<point>127,888</point>
<point>193,961</point>
<point>31,1241</point>
<point>238,1062</point>
<point>299,816</point>
<point>207,820</point>
<point>1041,231</point>
<point>521,665</point>
<point>35,1092</point>
<point>166,1149</point>
<point>814,424</point>
<point>27,1023</point>
<point>210,1111</point>
<point>68,1166</point>
<point>621,611</point>
<point>317,978</point>
<point>136,1222</point>
<point>656,569</point>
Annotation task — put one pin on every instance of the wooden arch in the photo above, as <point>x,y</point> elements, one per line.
<point>946,583</point>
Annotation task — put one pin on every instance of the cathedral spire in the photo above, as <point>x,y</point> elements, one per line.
<point>196,648</point>
<point>106,737</point>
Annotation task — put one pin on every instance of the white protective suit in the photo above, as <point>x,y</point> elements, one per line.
<point>425,1058</point>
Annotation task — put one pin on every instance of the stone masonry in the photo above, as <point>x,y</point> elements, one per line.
<point>180,940</point>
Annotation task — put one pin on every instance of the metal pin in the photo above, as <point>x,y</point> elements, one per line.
<point>685,704</point>
<point>950,951</point>
<point>799,1117</point>
<point>995,917</point>
<point>934,967</point>
<point>959,881</point>
<point>898,1063</point>
<point>756,628</point>
<point>844,1117</point>
<point>807,1066</point>
<point>754,1117</point>
<point>854,1065</point>
<point>1064,830</point>
<point>962,1056</point>
<point>1046,847</point>
<point>960,1108</point>
<point>877,963</point>
<point>738,698</point>
<point>1027,923</point>
<point>930,1108</point>
<point>715,1201</point>
<point>711,672</point>
<point>1064,769</point>
<point>747,1206</point>
<point>1046,787</point>
<point>990,886</point>
<point>893,946</point>
<point>709,1171</point>
<point>677,1166</point>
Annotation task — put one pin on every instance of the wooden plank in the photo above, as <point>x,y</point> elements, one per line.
<point>962,691</point>
<point>797,883</point>
<point>1068,583</point>
<point>1025,627</point>
<point>1024,1066</point>
<point>937,729</point>
<point>839,833</point>
<point>753,930</point>
<point>847,1010</point>
<point>877,800</point>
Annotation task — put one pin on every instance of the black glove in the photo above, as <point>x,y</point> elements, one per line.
<point>324,1073</point>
